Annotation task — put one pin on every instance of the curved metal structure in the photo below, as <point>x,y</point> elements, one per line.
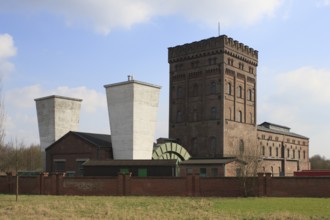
<point>170,150</point>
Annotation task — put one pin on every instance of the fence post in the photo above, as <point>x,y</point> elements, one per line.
<point>196,188</point>
<point>261,185</point>
<point>268,177</point>
<point>120,184</point>
<point>189,185</point>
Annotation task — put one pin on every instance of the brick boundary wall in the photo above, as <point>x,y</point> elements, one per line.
<point>191,185</point>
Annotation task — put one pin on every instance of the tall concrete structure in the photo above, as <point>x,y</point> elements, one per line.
<point>57,115</point>
<point>132,107</point>
<point>213,97</point>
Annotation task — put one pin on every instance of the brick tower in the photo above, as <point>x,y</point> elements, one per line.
<point>213,97</point>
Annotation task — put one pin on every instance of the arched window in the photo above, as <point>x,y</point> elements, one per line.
<point>240,116</point>
<point>195,115</point>
<point>179,92</point>
<point>229,88</point>
<point>249,95</point>
<point>195,90</point>
<point>251,118</point>
<point>239,92</point>
<point>213,87</point>
<point>213,112</point>
<point>241,147</point>
<point>263,150</point>
<point>213,143</point>
<point>194,146</point>
<point>178,116</point>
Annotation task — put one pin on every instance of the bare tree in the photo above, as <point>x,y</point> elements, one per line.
<point>249,162</point>
<point>2,117</point>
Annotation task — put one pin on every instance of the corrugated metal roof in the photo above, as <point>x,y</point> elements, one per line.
<point>261,128</point>
<point>208,161</point>
<point>130,163</point>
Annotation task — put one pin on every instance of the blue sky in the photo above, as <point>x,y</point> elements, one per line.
<point>73,48</point>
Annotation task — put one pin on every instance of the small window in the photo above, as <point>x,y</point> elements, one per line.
<point>195,90</point>
<point>270,151</point>
<point>240,116</point>
<point>213,112</point>
<point>263,150</point>
<point>213,87</point>
<point>213,143</point>
<point>304,153</point>
<point>189,171</point>
<point>179,92</point>
<point>124,171</point>
<point>59,165</point>
<point>229,88</point>
<point>202,172</point>
<point>276,151</point>
<point>249,95</point>
<point>298,154</point>
<point>142,172</point>
<point>195,114</point>
<point>239,92</point>
<point>241,147</point>
<point>288,153</point>
<point>194,143</point>
<point>179,116</point>
<point>214,172</point>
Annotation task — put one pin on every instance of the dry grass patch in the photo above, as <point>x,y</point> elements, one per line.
<point>109,207</point>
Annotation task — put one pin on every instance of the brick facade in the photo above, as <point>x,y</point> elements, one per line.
<point>72,150</point>
<point>191,185</point>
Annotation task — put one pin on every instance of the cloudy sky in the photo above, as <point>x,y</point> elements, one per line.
<point>73,48</point>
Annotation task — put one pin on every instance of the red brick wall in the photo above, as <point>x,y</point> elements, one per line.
<point>157,186</point>
<point>89,186</point>
<point>190,185</point>
<point>70,148</point>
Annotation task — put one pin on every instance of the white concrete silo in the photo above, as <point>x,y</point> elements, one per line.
<point>132,107</point>
<point>57,115</point>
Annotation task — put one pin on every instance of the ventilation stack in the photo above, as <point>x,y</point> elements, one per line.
<point>132,107</point>
<point>57,115</point>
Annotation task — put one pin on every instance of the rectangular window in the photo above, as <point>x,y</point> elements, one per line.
<point>59,165</point>
<point>189,171</point>
<point>293,154</point>
<point>214,172</point>
<point>142,172</point>
<point>202,172</point>
<point>124,170</point>
<point>277,152</point>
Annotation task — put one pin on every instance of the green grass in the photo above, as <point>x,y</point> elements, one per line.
<point>92,207</point>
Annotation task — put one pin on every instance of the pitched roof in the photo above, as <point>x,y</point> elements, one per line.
<point>276,131</point>
<point>100,140</point>
<point>130,163</point>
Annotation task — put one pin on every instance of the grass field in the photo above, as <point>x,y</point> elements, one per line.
<point>92,207</point>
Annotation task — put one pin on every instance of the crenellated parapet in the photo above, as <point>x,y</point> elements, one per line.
<point>213,46</point>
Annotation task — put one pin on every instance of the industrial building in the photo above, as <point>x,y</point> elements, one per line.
<point>213,127</point>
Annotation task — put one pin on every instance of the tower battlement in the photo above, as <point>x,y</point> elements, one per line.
<point>214,45</point>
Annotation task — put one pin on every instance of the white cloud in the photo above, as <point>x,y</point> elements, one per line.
<point>105,15</point>
<point>21,121</point>
<point>7,50</point>
<point>300,99</point>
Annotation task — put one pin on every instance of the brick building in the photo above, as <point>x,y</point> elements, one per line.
<point>212,113</point>
<point>73,149</point>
